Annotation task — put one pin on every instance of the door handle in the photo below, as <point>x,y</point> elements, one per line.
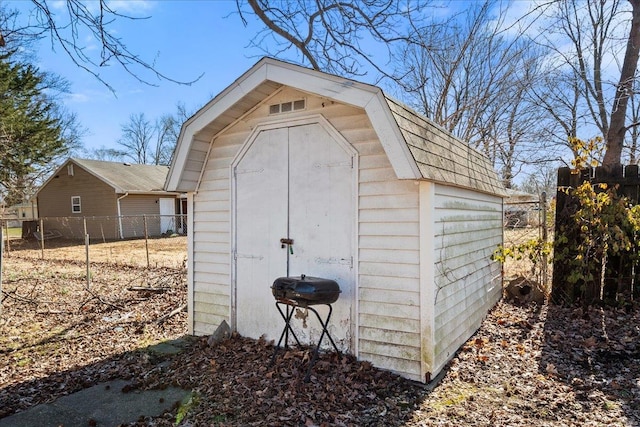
<point>288,242</point>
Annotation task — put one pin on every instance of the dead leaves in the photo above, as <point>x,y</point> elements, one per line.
<point>526,366</point>
<point>241,383</point>
<point>542,366</point>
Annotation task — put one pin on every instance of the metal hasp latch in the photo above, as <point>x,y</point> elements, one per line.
<point>287,242</point>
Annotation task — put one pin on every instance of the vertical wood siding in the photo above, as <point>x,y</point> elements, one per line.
<point>467,228</point>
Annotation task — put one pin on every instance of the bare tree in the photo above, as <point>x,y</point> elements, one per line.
<point>167,131</point>
<point>165,139</point>
<point>558,94</point>
<point>106,154</point>
<point>137,136</point>
<point>615,135</point>
<point>472,78</point>
<point>76,26</point>
<point>336,36</point>
<point>634,131</point>
<point>592,30</point>
<point>145,142</point>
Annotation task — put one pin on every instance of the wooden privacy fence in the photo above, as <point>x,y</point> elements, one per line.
<point>603,277</point>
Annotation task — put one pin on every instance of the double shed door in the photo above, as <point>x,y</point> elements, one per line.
<point>294,183</point>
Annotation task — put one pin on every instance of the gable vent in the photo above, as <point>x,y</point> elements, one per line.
<point>287,107</point>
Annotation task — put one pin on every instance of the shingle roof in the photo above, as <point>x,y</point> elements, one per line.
<point>126,177</point>
<point>441,157</point>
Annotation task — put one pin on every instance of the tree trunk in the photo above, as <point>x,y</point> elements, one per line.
<point>617,129</point>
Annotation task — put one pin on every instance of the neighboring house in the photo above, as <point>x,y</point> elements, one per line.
<point>521,209</point>
<point>16,214</point>
<point>401,214</point>
<point>112,198</point>
<point>9,218</point>
<point>27,211</point>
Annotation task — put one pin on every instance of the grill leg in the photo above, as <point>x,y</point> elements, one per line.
<point>324,324</point>
<point>285,332</point>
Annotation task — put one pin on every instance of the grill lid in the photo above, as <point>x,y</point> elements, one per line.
<point>306,290</point>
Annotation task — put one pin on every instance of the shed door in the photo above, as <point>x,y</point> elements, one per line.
<point>294,183</point>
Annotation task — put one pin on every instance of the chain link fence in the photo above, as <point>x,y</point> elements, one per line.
<point>527,231</point>
<point>140,241</point>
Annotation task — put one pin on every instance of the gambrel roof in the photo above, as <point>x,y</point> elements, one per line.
<point>416,147</point>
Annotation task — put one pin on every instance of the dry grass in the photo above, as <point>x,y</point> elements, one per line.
<point>162,252</point>
<point>59,334</point>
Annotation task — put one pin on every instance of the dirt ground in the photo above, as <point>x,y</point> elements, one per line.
<point>530,365</point>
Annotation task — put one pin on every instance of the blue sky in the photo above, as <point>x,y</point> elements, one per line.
<point>185,38</point>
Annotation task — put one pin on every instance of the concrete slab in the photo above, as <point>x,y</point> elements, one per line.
<point>101,405</point>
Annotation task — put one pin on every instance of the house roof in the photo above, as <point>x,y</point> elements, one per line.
<point>416,147</point>
<point>127,177</point>
<point>123,177</point>
<point>515,196</point>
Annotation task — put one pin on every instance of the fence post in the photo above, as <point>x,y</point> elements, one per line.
<point>41,239</point>
<point>545,237</point>
<point>86,250</point>
<point>6,228</point>
<point>1,263</point>
<point>146,238</point>
<point>86,246</point>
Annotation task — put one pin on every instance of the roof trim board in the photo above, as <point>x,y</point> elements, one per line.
<point>269,75</point>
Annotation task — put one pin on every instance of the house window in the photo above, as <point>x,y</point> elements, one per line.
<point>75,204</point>
<point>70,170</point>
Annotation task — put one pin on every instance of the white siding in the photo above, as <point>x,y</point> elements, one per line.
<point>212,237</point>
<point>467,229</point>
<point>389,256</point>
<point>388,237</point>
<point>400,326</point>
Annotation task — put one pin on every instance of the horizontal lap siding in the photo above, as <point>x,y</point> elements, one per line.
<point>389,317</point>
<point>467,228</point>
<point>194,162</point>
<point>132,208</point>
<point>389,256</point>
<point>212,237</point>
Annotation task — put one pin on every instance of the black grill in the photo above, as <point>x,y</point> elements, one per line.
<point>305,290</point>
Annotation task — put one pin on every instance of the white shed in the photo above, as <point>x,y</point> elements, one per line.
<point>401,214</point>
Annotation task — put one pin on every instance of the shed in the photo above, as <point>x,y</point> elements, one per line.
<point>401,214</point>
<point>115,196</point>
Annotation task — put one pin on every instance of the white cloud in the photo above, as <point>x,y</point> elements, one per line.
<point>78,98</point>
<point>131,7</point>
